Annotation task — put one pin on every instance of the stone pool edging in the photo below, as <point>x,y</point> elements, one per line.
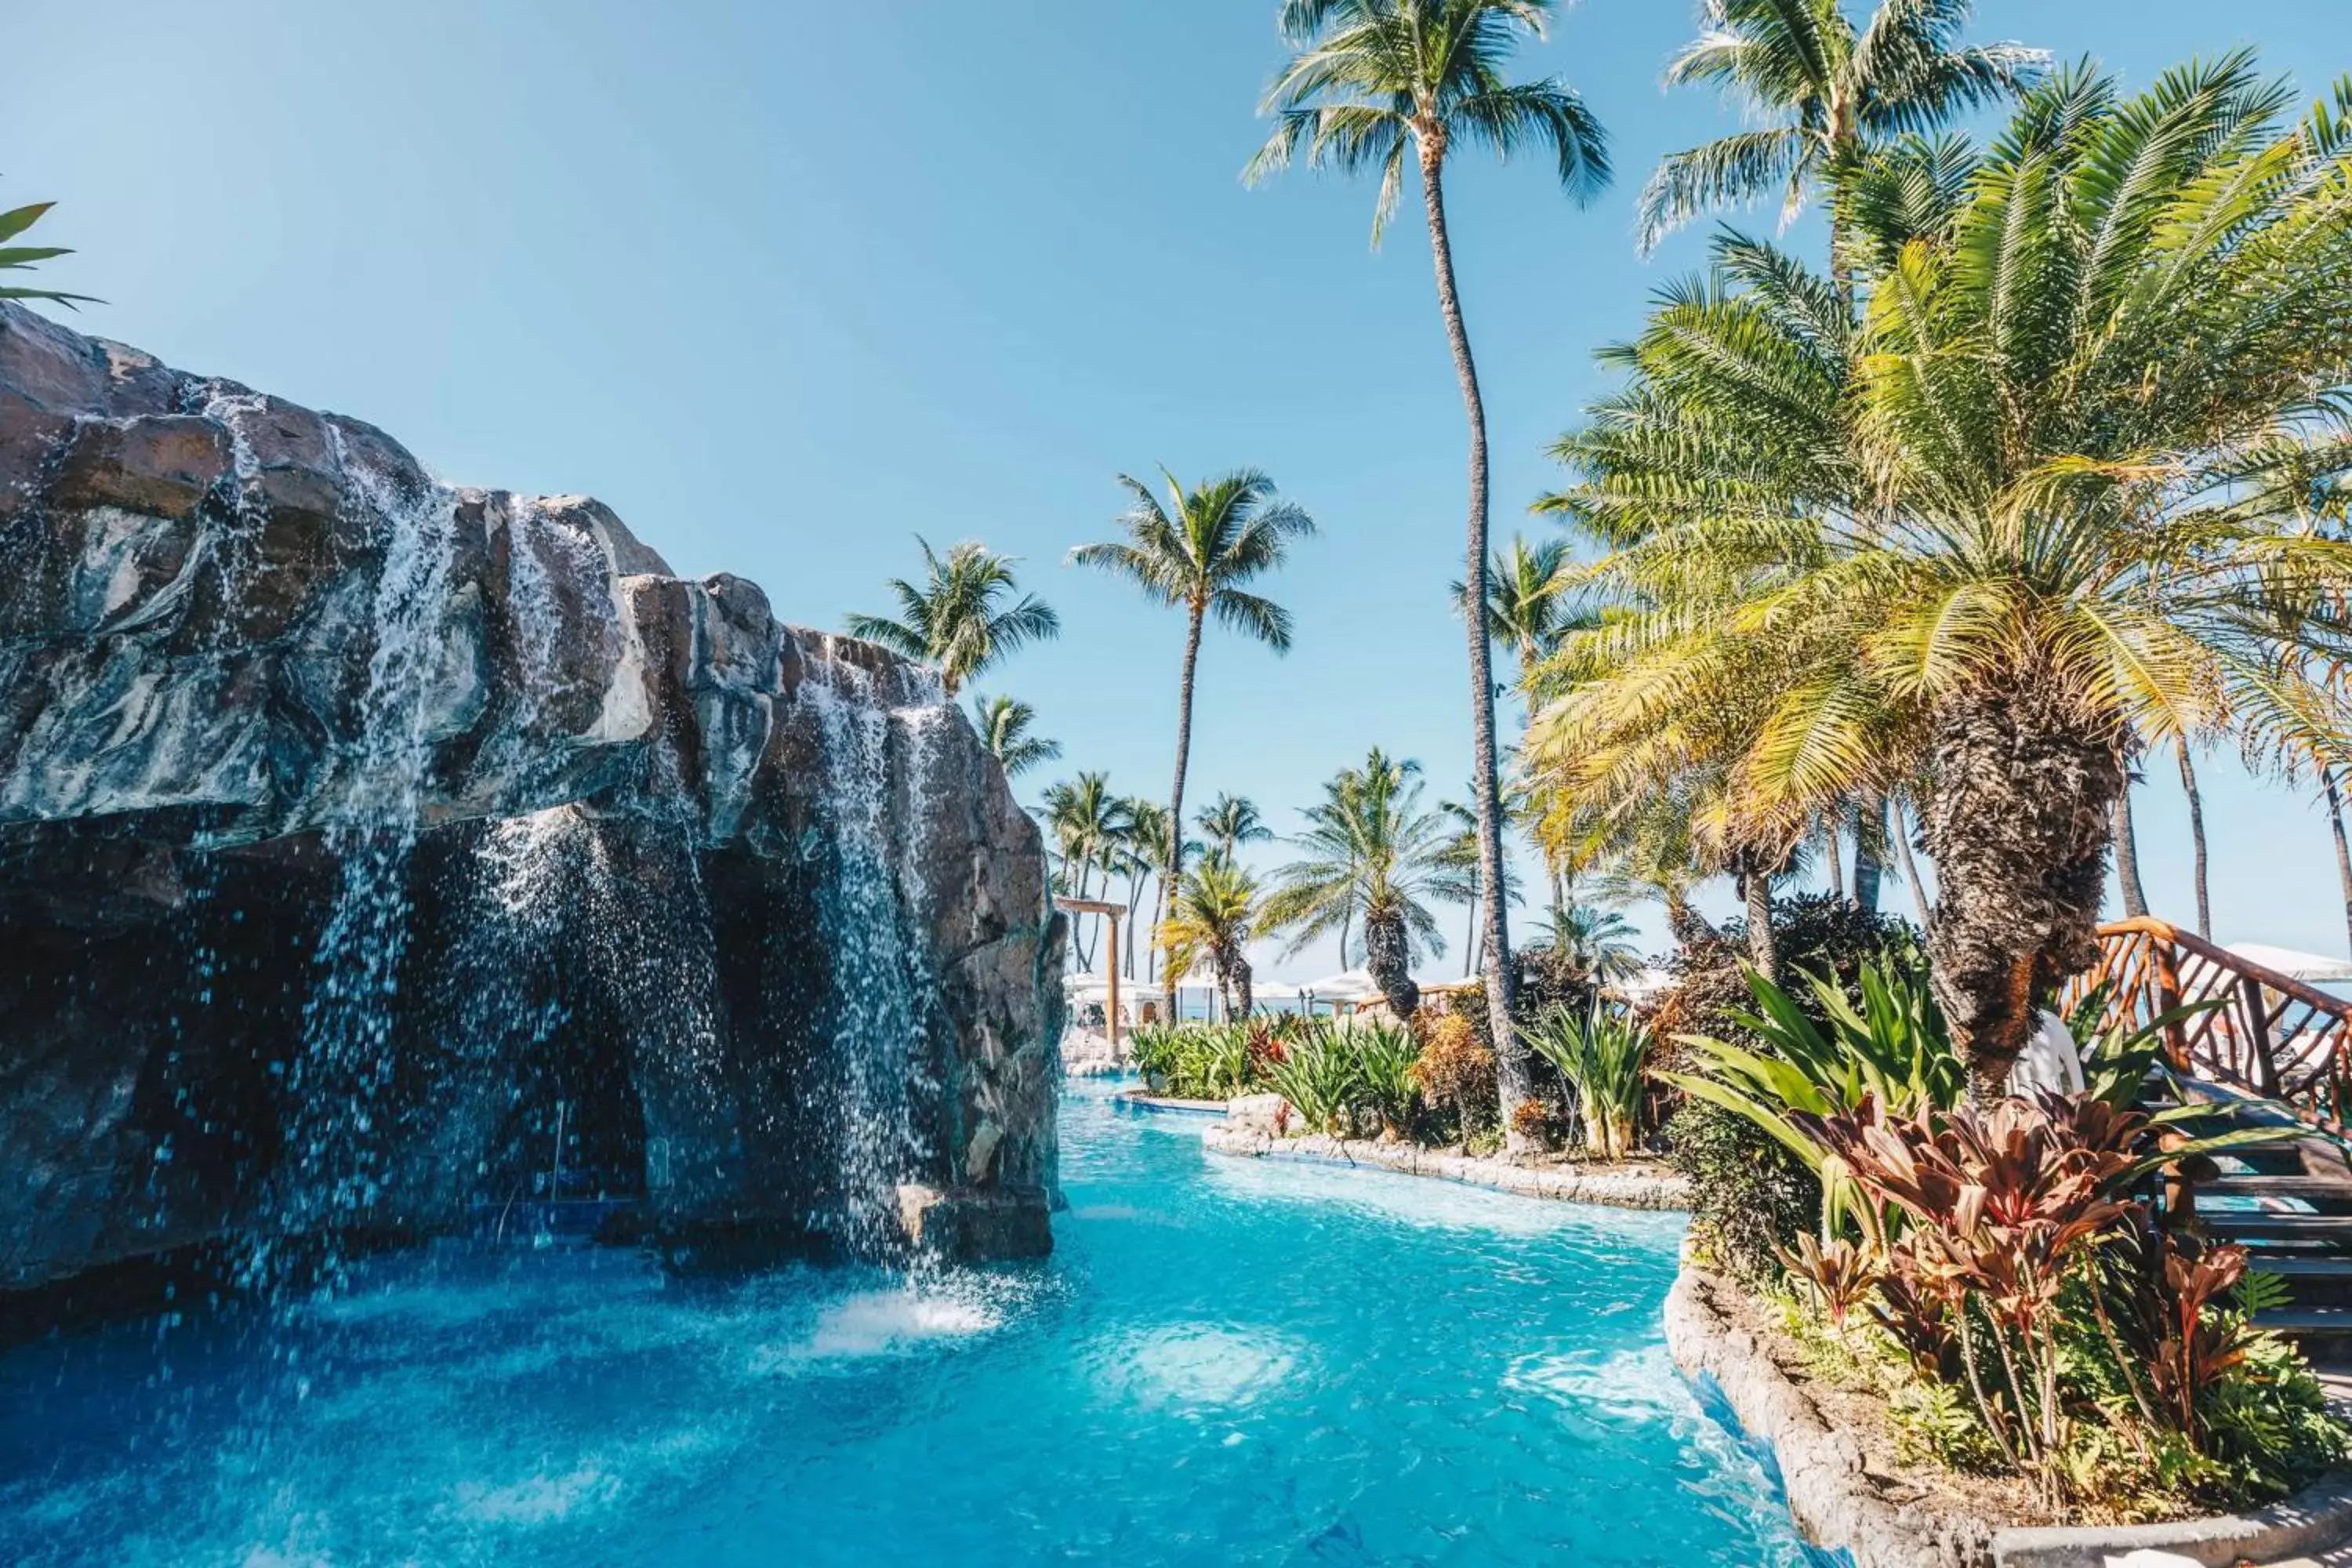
<point>1837,1502</point>
<point>1613,1190</point>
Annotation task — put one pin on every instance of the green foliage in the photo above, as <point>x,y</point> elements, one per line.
<point>1603,1056</point>
<point>1752,1195</point>
<point>1385,1054</point>
<point>1455,1070</point>
<point>1194,1061</point>
<point>958,619</point>
<point>1322,1079</point>
<point>23,257</point>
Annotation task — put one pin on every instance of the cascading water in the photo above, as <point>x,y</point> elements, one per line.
<point>331,1165</point>
<point>882,1063</point>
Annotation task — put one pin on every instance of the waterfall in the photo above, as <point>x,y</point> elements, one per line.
<point>345,1057</point>
<point>872,934</point>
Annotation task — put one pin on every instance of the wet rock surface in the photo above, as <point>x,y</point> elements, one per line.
<point>375,855</point>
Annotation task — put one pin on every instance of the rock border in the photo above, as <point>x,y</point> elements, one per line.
<point>1837,1503</point>
<point>1561,1183</point>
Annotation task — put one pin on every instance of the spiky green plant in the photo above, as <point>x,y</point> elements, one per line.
<point>1603,1053</point>
<point>24,257</point>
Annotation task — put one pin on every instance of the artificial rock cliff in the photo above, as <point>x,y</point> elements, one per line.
<point>377,856</point>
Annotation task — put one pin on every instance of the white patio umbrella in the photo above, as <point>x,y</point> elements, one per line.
<point>1351,985</point>
<point>1275,991</point>
<point>2304,966</point>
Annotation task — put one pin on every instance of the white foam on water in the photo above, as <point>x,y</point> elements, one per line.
<point>540,1498</point>
<point>1624,1385</point>
<point>1200,1363</point>
<point>883,1324</point>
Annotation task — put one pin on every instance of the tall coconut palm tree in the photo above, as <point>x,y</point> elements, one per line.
<point>1004,723</point>
<point>1215,917</point>
<point>2003,527</point>
<point>1370,852</point>
<point>2196,838</point>
<point>1143,860</point>
<point>958,619</point>
<point>2127,882</point>
<point>1527,609</point>
<point>24,257</point>
<point>1085,818</point>
<point>1195,553</point>
<point>1229,822</point>
<point>1375,82</point>
<point>2343,850</point>
<point>1818,93</point>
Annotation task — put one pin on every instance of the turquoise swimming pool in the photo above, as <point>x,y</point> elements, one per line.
<point>1225,1363</point>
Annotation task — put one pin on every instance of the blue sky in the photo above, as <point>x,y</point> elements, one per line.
<point>786,283</point>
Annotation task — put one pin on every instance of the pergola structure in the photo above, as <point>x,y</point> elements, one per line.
<point>1098,907</point>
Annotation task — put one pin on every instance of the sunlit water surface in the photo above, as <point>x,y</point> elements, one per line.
<point>1225,1363</point>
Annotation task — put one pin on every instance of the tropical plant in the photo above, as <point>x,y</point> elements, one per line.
<point>1527,609</point>
<point>1004,723</point>
<point>2018,515</point>
<point>1373,82</point>
<point>1141,857</point>
<point>1370,852</point>
<point>1818,94</point>
<point>1385,1054</point>
<point>24,257</point>
<point>1598,946</point>
<point>1196,553</point>
<point>1455,1073</point>
<point>1603,1056</point>
<point>1229,822</point>
<point>957,619</point>
<point>1318,1076</point>
<point>1196,1060</point>
<point>1215,915</point>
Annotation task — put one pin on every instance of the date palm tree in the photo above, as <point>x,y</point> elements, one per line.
<point>958,619</point>
<point>1215,914</point>
<point>1196,553</point>
<point>1370,852</point>
<point>2013,521</point>
<point>1818,93</point>
<point>24,257</point>
<point>1376,83</point>
<point>1004,723</point>
<point>1229,822</point>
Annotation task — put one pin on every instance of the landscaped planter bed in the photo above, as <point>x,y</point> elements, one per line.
<point>1618,1186</point>
<point>1847,1490</point>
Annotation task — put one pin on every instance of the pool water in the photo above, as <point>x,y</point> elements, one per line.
<point>1225,1363</point>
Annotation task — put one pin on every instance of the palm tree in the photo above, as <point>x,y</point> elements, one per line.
<point>24,257</point>
<point>1601,946</point>
<point>1197,556</point>
<point>1003,723</point>
<point>1142,859</point>
<point>1215,912</point>
<point>1526,610</point>
<point>1085,819</point>
<point>1819,94</point>
<point>1460,856</point>
<point>2343,851</point>
<point>1372,82</point>
<point>2196,838</point>
<point>2011,522</point>
<point>1370,852</point>
<point>1229,822</point>
<point>956,620</point>
<point>2127,882</point>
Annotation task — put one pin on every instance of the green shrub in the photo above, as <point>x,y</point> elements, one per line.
<point>1320,1078</point>
<point>1604,1056</point>
<point>1385,1054</point>
<point>1456,1072</point>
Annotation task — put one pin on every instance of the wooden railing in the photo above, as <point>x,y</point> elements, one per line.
<point>2261,1032</point>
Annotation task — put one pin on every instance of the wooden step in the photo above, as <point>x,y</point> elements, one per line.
<point>2311,1269</point>
<point>2281,1185</point>
<point>2307,1320</point>
<point>2237,1223</point>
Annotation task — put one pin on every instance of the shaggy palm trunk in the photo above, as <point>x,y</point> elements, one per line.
<point>1239,977</point>
<point>2196,841</point>
<point>1173,877</point>
<point>1388,958</point>
<point>1510,1058</point>
<point>1869,849</point>
<point>2127,855</point>
<point>2343,853</point>
<point>2019,825</point>
<point>1684,924</point>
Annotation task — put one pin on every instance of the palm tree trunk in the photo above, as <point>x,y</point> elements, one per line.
<point>1763,951</point>
<point>2127,853</point>
<point>2343,853</point>
<point>1470,937</point>
<point>1174,874</point>
<point>1911,870</point>
<point>2019,824</point>
<point>1346,921</point>
<point>1869,849</point>
<point>1078,922</point>
<point>1833,829</point>
<point>1510,1058</point>
<point>2196,841</point>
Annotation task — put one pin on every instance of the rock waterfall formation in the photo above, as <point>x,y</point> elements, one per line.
<point>375,855</point>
